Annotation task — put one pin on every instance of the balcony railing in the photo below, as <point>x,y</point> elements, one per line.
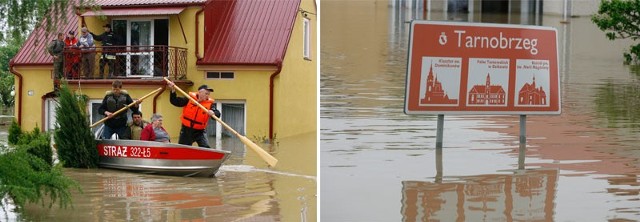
<point>128,62</point>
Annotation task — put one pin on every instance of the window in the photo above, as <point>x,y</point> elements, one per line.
<point>220,75</point>
<point>306,41</point>
<point>141,34</point>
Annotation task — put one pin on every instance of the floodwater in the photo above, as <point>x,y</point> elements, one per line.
<point>378,164</point>
<point>244,189</point>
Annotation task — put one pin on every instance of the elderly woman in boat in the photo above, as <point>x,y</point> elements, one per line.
<point>155,131</point>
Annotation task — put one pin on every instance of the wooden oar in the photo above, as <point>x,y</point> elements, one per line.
<point>262,153</point>
<point>126,107</point>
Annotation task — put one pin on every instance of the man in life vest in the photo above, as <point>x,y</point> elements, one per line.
<point>194,119</point>
<point>115,100</point>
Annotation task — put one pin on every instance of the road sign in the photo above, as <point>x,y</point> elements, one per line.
<point>478,68</point>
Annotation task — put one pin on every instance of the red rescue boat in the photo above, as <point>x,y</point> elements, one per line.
<point>160,158</point>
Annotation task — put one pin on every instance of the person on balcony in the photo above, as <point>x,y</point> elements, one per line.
<point>194,119</point>
<point>108,58</point>
<point>115,100</point>
<point>55,49</point>
<point>86,45</point>
<point>155,131</point>
<point>134,128</point>
<point>72,56</point>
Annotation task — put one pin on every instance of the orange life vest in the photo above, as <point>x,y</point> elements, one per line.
<point>193,116</point>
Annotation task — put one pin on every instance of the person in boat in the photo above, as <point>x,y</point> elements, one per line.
<point>194,119</point>
<point>115,100</point>
<point>134,128</point>
<point>155,131</point>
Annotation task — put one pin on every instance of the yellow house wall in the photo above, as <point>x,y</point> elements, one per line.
<point>296,111</point>
<point>248,86</point>
<point>39,81</point>
<point>296,88</point>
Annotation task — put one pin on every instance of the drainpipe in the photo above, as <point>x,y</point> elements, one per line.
<point>271,80</point>
<point>17,74</point>
<point>198,32</point>
<point>155,98</point>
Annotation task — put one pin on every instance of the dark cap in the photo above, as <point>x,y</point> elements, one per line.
<point>205,87</point>
<point>72,32</point>
<point>107,26</point>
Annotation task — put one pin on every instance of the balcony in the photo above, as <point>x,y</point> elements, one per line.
<point>127,63</point>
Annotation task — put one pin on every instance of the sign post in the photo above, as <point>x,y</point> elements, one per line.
<point>478,68</point>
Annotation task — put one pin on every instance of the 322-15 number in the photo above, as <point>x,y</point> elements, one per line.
<point>141,152</point>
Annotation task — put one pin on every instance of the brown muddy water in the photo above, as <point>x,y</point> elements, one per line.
<point>245,189</point>
<point>378,164</point>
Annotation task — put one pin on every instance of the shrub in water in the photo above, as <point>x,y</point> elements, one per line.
<point>75,143</point>
<point>14,133</point>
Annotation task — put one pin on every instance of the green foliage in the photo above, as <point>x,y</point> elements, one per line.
<point>28,179</point>
<point>14,133</point>
<point>38,144</point>
<point>74,140</point>
<point>35,142</point>
<point>6,78</point>
<point>620,19</point>
<point>20,17</point>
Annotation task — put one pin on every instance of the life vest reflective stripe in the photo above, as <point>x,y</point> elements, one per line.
<point>193,116</point>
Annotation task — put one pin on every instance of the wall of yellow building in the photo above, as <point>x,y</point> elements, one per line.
<point>296,109</point>
<point>248,86</point>
<point>32,105</point>
<point>296,89</point>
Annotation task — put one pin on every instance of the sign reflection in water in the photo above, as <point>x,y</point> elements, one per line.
<point>523,195</point>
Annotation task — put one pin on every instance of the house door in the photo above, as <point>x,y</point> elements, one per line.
<point>140,60</point>
<point>233,114</point>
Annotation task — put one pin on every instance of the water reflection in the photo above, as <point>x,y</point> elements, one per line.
<point>618,102</point>
<point>525,195</point>
<point>244,190</point>
<point>114,195</point>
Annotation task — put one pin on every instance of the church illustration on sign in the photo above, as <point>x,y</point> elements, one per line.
<point>530,95</point>
<point>487,94</point>
<point>435,94</point>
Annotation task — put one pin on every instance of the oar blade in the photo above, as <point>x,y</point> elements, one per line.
<point>272,161</point>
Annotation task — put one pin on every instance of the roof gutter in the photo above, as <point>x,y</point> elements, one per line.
<point>271,88</point>
<point>17,74</point>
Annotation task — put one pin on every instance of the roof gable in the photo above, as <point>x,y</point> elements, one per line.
<point>248,32</point>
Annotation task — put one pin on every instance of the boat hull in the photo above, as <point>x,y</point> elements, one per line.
<point>160,158</point>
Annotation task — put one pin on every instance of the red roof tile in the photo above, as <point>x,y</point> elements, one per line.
<point>33,51</point>
<point>247,32</point>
